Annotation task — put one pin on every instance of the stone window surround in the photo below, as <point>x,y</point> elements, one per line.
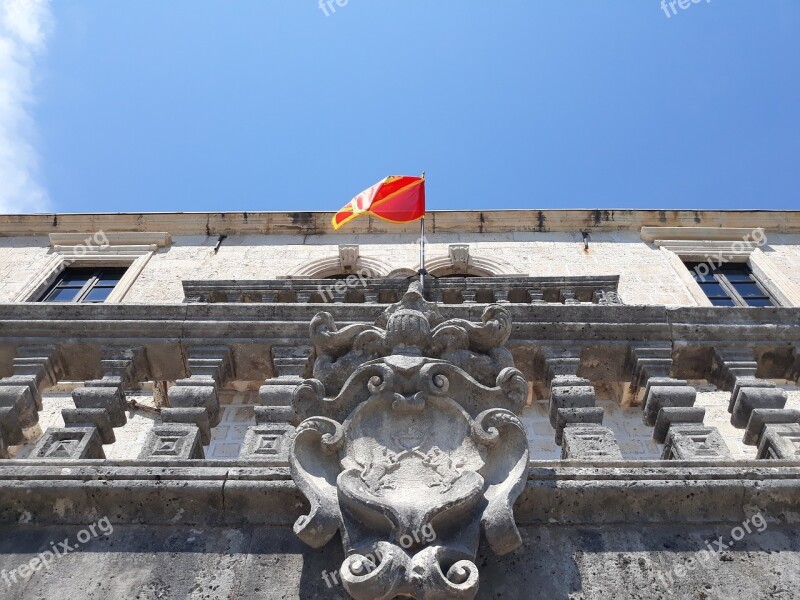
<point>701,244</point>
<point>123,249</point>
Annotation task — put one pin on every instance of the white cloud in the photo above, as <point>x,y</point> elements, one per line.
<point>24,29</point>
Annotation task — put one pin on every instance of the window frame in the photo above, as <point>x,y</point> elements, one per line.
<point>131,250</point>
<point>702,244</point>
<point>718,275</point>
<point>94,281</point>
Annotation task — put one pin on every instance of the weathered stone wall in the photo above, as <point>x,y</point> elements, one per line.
<point>556,562</point>
<point>647,277</point>
<point>784,252</point>
<point>21,260</point>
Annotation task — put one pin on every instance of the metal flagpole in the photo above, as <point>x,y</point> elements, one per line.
<point>422,248</point>
<point>422,253</point>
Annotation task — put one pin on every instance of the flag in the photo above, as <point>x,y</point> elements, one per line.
<point>396,199</point>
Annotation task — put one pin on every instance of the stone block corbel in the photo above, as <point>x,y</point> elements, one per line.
<point>749,399</point>
<point>173,441</point>
<point>760,418</point>
<point>91,417</point>
<point>194,407</point>
<point>675,394</point>
<point>10,430</point>
<point>576,416</point>
<point>35,368</point>
<point>99,406</point>
<point>646,363</point>
<point>289,364</point>
<point>780,441</point>
<point>676,415</point>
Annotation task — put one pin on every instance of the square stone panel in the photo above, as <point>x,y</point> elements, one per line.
<point>69,443</point>
<point>173,442</point>
<point>695,442</point>
<point>267,442</point>
<point>589,442</point>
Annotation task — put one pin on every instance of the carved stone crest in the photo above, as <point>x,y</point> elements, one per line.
<point>410,426</point>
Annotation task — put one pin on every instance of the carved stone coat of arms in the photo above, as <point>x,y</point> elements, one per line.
<point>408,444</point>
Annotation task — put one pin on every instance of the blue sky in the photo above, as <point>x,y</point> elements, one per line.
<point>248,105</point>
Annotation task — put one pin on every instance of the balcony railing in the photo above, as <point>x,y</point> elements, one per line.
<point>353,289</point>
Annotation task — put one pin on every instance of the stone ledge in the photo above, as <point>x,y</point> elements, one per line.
<point>444,221</point>
<point>229,494</point>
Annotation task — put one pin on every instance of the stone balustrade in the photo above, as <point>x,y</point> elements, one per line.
<point>448,290</point>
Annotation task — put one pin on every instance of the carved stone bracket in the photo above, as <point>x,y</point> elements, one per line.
<point>194,406</point>
<point>267,441</point>
<point>348,256</point>
<point>99,406</point>
<point>459,256</point>
<point>646,362</point>
<point>173,441</point>
<point>406,453</point>
<point>289,363</point>
<point>735,369</point>
<point>761,418</point>
<point>780,442</point>
<point>35,368</point>
<point>572,398</point>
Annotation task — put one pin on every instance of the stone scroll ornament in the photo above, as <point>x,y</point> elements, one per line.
<point>409,425</point>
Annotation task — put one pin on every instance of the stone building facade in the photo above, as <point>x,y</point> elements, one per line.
<point>163,376</point>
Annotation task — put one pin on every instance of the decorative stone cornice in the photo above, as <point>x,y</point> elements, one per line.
<point>318,223</point>
<point>166,332</point>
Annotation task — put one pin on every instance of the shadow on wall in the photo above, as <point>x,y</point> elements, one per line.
<point>556,562</point>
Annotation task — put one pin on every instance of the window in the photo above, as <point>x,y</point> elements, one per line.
<point>89,286</point>
<point>731,284</point>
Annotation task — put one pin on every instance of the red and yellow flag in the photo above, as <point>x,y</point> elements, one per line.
<point>397,199</point>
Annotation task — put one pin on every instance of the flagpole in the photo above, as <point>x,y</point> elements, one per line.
<point>422,247</point>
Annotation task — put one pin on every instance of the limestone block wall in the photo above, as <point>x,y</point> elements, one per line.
<point>784,252</point>
<point>647,276</point>
<point>21,259</point>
